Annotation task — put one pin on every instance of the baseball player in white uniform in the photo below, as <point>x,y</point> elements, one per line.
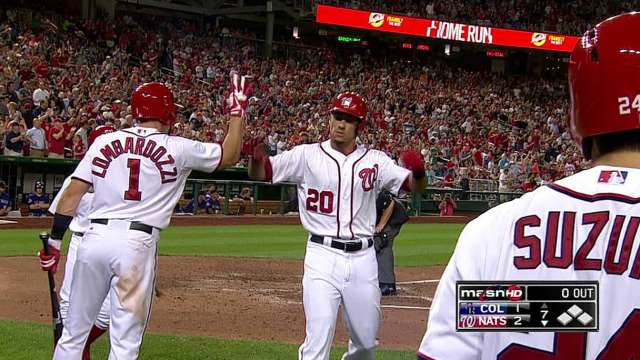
<point>583,227</point>
<point>78,226</point>
<point>338,183</point>
<point>137,175</point>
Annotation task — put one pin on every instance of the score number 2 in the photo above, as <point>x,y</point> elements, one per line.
<point>573,345</point>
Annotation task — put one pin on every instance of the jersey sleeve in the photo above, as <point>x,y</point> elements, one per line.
<point>83,171</point>
<point>54,203</point>
<point>288,166</point>
<point>390,175</point>
<point>201,156</point>
<point>30,199</point>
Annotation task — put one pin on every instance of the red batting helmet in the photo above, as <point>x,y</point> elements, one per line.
<point>352,104</point>
<point>153,101</point>
<point>100,130</point>
<point>604,77</point>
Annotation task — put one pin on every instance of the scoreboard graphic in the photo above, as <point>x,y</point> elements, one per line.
<point>527,305</point>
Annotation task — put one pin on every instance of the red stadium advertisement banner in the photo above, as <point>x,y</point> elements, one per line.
<point>437,29</point>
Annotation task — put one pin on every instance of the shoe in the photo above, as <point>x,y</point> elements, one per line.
<point>388,289</point>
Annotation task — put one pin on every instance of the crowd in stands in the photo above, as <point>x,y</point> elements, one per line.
<point>564,17</point>
<point>60,81</point>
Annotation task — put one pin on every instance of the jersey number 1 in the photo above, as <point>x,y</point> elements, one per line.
<point>573,345</point>
<point>133,193</point>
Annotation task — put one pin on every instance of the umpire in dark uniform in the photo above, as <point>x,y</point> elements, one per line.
<point>390,217</point>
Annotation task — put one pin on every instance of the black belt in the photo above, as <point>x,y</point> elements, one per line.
<point>347,246</point>
<point>134,225</point>
<point>78,234</point>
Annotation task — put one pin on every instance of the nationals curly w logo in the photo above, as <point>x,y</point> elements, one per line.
<point>369,177</point>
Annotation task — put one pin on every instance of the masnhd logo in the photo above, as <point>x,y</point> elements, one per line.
<point>376,19</point>
<point>538,39</point>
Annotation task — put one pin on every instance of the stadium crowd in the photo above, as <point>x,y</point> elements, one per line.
<point>59,82</point>
<point>564,17</point>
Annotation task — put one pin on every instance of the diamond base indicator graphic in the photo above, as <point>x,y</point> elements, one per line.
<point>527,305</point>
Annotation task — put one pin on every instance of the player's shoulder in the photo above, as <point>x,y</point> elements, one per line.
<point>598,181</point>
<point>307,148</point>
<point>377,155</point>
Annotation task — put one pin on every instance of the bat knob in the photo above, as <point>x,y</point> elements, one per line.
<point>44,235</point>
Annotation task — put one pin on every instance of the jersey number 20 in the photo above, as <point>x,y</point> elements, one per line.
<point>623,345</point>
<point>133,193</point>
<point>322,201</point>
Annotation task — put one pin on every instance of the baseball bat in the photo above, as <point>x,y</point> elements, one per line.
<point>55,305</point>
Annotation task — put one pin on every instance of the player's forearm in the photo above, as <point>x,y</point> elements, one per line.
<point>71,197</point>
<point>256,170</point>
<point>386,215</point>
<point>232,145</point>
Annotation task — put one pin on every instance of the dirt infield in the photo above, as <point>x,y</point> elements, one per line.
<point>230,298</point>
<point>213,220</point>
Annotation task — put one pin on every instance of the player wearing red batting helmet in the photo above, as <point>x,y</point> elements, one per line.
<point>583,227</point>
<point>338,183</point>
<point>153,102</point>
<point>100,130</point>
<point>137,175</point>
<point>604,75</point>
<point>350,104</point>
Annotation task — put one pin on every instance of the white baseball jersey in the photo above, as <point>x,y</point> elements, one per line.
<point>138,174</point>
<point>583,227</point>
<point>337,193</point>
<point>80,222</point>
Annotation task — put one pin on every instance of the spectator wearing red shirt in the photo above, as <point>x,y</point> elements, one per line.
<point>530,184</point>
<point>447,206</point>
<point>78,147</point>
<point>57,140</point>
<point>449,178</point>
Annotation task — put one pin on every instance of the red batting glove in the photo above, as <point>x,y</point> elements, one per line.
<point>50,260</point>
<point>239,94</point>
<point>412,160</point>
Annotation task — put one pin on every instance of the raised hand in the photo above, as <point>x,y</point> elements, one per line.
<point>239,93</point>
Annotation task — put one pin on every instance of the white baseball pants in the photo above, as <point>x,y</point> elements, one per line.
<point>120,262</point>
<point>102,321</point>
<point>331,278</point>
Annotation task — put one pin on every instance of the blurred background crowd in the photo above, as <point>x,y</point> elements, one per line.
<point>62,77</point>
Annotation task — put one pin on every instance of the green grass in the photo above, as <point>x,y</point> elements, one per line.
<point>417,244</point>
<point>28,341</point>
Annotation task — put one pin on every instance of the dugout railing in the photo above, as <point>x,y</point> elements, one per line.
<point>270,199</point>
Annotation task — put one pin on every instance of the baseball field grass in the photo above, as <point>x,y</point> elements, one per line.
<point>417,245</point>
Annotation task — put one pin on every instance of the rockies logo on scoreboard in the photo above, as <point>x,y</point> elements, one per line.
<point>527,306</point>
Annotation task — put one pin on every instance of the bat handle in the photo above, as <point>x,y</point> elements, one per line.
<point>44,237</point>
